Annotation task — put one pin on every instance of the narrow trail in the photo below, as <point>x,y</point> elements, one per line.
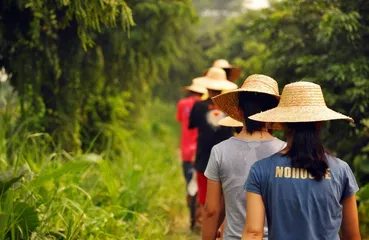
<point>181,230</point>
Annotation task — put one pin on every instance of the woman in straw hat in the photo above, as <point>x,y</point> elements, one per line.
<point>237,127</point>
<point>233,73</point>
<point>205,117</point>
<point>189,139</point>
<point>231,160</point>
<point>305,192</point>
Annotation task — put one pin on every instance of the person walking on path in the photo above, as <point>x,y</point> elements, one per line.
<point>188,140</point>
<point>205,117</point>
<point>230,160</point>
<point>237,128</point>
<point>232,72</point>
<point>304,191</point>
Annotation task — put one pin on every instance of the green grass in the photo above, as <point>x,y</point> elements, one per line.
<point>137,193</point>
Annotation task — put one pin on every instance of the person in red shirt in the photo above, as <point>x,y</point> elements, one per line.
<point>189,139</point>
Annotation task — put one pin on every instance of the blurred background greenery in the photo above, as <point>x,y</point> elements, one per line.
<point>88,92</point>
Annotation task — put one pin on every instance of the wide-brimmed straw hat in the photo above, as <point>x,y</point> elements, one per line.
<point>224,64</point>
<point>230,122</point>
<point>300,102</point>
<point>229,102</point>
<point>215,79</point>
<point>196,88</point>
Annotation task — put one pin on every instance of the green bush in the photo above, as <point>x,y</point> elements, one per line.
<point>131,194</point>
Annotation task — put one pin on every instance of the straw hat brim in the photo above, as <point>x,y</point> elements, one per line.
<point>197,89</point>
<point>228,102</point>
<point>299,114</point>
<point>230,122</point>
<point>235,73</point>
<point>219,85</point>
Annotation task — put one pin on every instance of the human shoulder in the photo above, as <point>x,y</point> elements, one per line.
<point>224,145</point>
<point>184,100</point>
<point>337,165</point>
<point>279,141</point>
<point>205,102</point>
<point>181,102</point>
<point>336,162</point>
<point>199,103</point>
<point>273,159</point>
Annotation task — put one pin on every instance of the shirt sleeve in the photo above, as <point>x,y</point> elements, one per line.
<point>212,169</point>
<point>193,117</point>
<point>179,111</point>
<point>253,182</point>
<point>350,186</point>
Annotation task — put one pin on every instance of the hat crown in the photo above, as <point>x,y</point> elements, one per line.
<point>261,83</point>
<point>221,63</point>
<point>302,94</point>
<point>195,87</point>
<point>216,74</point>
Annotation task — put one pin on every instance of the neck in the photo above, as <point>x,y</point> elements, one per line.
<point>288,146</point>
<point>256,135</point>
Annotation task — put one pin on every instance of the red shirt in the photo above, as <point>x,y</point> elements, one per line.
<point>188,136</point>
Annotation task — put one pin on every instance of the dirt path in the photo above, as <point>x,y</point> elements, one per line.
<point>181,230</point>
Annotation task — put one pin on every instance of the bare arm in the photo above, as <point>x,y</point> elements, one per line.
<point>350,221</point>
<point>214,210</point>
<point>221,230</point>
<point>255,217</point>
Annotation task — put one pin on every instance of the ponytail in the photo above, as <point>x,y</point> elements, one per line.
<point>251,103</point>
<point>306,149</point>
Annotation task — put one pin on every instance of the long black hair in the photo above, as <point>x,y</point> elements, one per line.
<point>306,150</point>
<point>251,103</point>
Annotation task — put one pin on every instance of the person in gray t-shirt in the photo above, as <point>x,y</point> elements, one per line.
<point>230,160</point>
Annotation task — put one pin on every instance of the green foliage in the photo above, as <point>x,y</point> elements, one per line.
<point>70,59</point>
<point>127,195</point>
<point>5,185</point>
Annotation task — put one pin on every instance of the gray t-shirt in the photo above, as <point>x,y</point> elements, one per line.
<point>230,162</point>
<point>296,205</point>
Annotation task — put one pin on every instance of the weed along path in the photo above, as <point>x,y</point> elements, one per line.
<point>172,197</point>
<point>166,211</point>
<point>135,193</point>
<point>180,227</point>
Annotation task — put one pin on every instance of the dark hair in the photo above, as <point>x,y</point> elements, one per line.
<point>306,150</point>
<point>192,93</point>
<point>237,129</point>
<point>213,93</point>
<point>251,103</point>
<point>228,72</point>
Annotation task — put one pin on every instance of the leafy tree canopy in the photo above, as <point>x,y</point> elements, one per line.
<point>72,60</point>
<point>319,41</point>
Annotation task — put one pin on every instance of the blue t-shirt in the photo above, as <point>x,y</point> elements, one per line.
<point>297,206</point>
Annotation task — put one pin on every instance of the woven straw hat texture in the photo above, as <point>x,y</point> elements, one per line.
<point>300,102</point>
<point>228,102</point>
<point>230,122</point>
